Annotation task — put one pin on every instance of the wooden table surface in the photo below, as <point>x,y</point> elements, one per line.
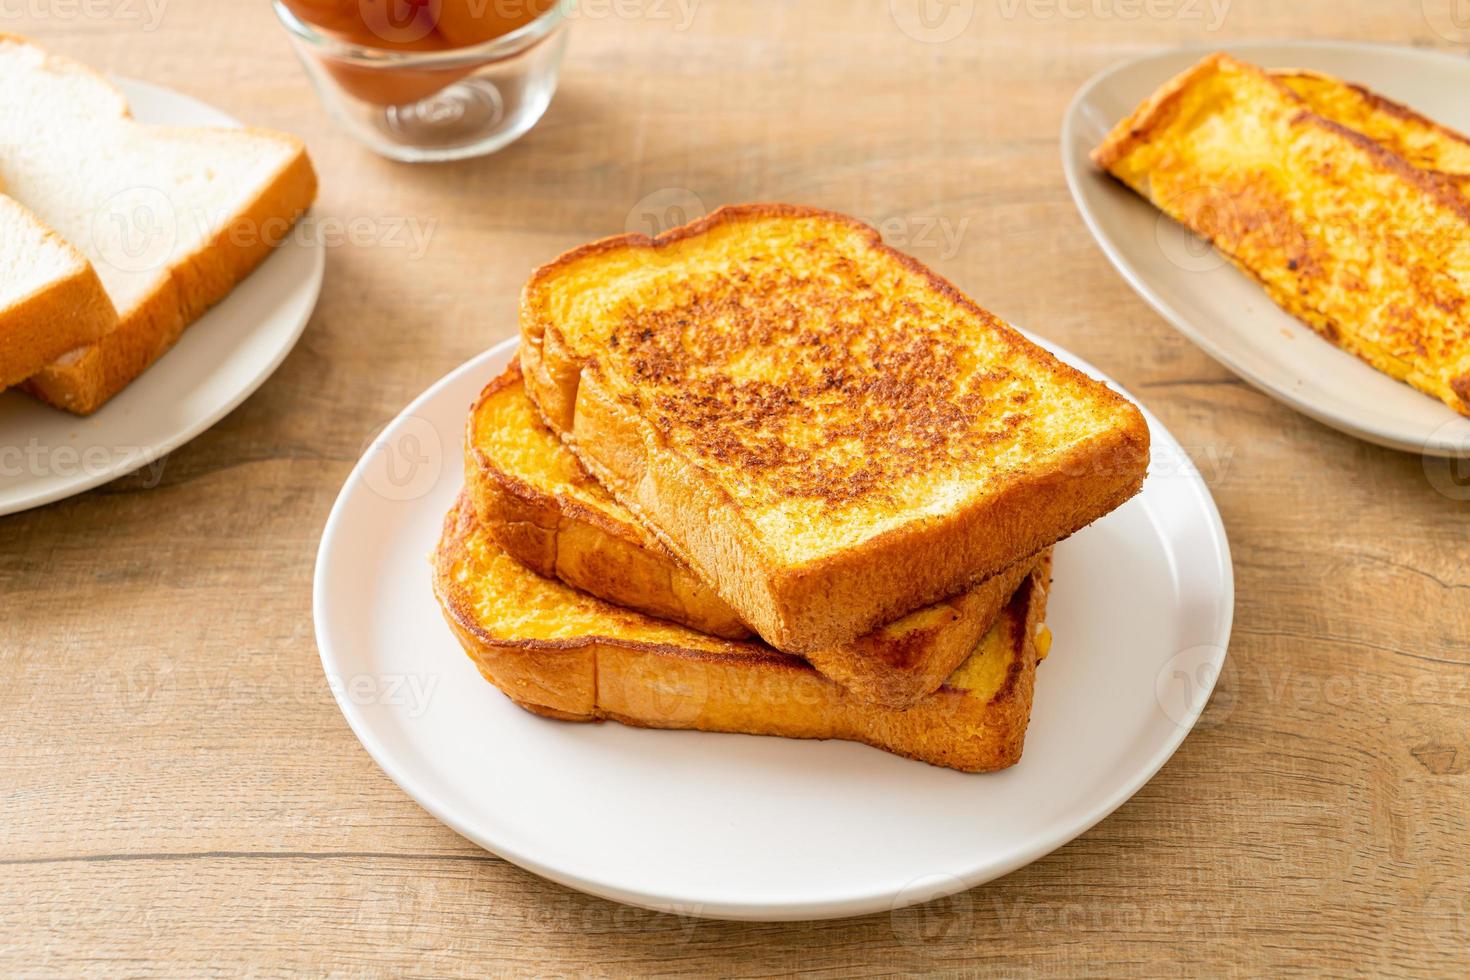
<point>179,792</point>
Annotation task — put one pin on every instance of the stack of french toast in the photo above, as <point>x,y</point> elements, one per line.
<point>763,474</point>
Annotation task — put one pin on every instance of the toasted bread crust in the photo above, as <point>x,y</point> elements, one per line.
<point>900,664</point>
<point>1151,115</point>
<point>1427,144</point>
<point>832,600</point>
<point>559,536</point>
<point>741,687</point>
<point>64,315</point>
<point>83,382</point>
<point>1364,246</point>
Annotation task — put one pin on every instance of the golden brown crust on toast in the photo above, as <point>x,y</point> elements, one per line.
<point>62,316</point>
<point>899,664</point>
<point>1362,234</point>
<point>617,665</point>
<point>535,500</point>
<point>705,458</point>
<point>84,382</point>
<point>1152,114</point>
<point>562,534</point>
<point>1423,142</point>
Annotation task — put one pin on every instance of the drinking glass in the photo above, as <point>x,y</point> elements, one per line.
<point>435,104</point>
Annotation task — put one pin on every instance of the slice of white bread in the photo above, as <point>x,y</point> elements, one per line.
<point>51,300</point>
<point>170,217</point>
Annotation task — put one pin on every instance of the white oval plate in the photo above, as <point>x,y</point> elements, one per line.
<point>1222,310</point>
<point>733,826</point>
<point>47,454</point>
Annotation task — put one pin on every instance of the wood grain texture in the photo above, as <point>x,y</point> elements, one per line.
<point>179,794</point>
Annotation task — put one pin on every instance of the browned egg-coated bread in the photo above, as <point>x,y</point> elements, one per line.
<point>538,504</point>
<point>561,653</point>
<point>827,433</point>
<point>1352,211</point>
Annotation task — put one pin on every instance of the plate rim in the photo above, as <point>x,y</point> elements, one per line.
<point>22,501</point>
<point>882,899</point>
<point>1436,445</point>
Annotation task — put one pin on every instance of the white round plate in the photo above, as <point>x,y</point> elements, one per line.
<point>1219,308</point>
<point>47,454</point>
<point>734,826</point>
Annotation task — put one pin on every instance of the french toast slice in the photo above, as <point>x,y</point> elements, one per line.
<point>1350,210</point>
<point>1421,141</point>
<point>561,653</point>
<point>535,500</point>
<point>826,432</point>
